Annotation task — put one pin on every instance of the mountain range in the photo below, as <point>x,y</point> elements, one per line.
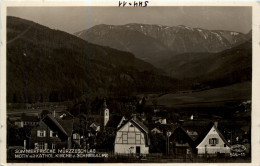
<point>215,69</point>
<point>157,44</point>
<point>50,65</point>
<point>44,64</point>
<point>194,54</point>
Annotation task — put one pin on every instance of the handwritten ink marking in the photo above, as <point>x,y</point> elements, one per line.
<point>135,3</point>
<point>122,3</point>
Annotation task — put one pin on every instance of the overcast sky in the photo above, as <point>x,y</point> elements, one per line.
<point>74,19</point>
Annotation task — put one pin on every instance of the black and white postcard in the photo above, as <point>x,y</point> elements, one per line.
<point>129,82</point>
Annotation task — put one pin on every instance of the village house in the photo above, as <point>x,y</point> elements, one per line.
<point>212,142</point>
<point>132,138</point>
<point>161,121</point>
<point>181,143</point>
<point>95,126</point>
<point>51,133</point>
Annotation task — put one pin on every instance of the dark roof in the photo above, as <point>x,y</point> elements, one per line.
<point>180,133</point>
<point>67,116</point>
<point>193,135</point>
<point>114,121</point>
<point>205,133</point>
<point>65,126</point>
<point>140,124</point>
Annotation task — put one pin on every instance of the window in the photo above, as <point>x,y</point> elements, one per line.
<point>213,141</point>
<point>41,145</point>
<point>124,135</point>
<point>53,134</point>
<point>41,133</point>
<point>138,138</point>
<point>53,146</point>
<point>76,136</point>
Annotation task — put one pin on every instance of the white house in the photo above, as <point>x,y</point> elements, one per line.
<point>95,126</point>
<point>132,138</point>
<point>212,141</point>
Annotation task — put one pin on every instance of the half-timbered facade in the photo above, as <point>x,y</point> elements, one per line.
<point>132,138</point>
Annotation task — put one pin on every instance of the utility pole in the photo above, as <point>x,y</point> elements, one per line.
<point>167,142</point>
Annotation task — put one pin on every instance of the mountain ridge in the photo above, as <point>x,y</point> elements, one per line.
<point>159,42</point>
<point>50,65</point>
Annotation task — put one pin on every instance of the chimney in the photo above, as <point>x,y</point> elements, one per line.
<point>216,124</point>
<point>134,116</point>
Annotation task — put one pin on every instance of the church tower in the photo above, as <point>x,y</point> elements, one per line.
<point>106,113</point>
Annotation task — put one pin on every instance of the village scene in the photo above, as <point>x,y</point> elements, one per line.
<point>135,137</point>
<point>142,89</point>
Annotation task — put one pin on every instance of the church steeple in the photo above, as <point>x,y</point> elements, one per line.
<point>106,113</point>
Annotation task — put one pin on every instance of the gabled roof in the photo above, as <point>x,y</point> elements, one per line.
<point>139,125</point>
<point>205,133</point>
<point>66,115</point>
<point>65,126</point>
<point>193,135</point>
<point>180,131</point>
<point>114,121</point>
<point>156,128</point>
<point>94,124</point>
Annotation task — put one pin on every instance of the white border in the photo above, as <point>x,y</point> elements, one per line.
<point>256,67</point>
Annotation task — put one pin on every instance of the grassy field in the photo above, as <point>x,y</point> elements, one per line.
<point>207,98</point>
<point>14,111</point>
